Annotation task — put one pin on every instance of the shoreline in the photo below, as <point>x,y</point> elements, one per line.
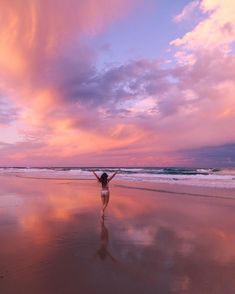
<point>201,181</point>
<point>149,186</point>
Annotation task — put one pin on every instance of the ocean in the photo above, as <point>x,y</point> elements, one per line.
<point>204,177</point>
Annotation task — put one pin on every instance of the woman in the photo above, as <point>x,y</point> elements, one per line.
<point>104,179</point>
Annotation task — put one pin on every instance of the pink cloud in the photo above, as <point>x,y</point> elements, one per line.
<point>138,113</point>
<point>215,32</point>
<point>187,11</point>
<point>196,111</point>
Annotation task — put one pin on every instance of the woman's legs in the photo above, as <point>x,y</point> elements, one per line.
<point>105,201</point>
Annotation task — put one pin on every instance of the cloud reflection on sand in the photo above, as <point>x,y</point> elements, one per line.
<point>160,243</point>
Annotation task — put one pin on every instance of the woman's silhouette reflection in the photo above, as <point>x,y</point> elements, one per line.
<point>103,252</point>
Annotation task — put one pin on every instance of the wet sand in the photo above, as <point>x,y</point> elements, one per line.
<point>153,239</point>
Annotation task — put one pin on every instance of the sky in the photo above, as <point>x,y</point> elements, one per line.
<point>117,83</point>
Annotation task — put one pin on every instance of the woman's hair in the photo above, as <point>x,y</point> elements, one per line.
<point>104,179</point>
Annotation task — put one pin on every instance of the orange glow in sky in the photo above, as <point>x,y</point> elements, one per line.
<point>80,86</point>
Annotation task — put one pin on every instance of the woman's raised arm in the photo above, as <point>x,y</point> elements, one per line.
<point>113,175</point>
<point>96,175</point>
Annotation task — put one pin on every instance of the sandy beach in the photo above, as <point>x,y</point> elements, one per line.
<point>154,238</point>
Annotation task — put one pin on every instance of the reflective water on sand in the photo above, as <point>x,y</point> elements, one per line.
<point>54,240</point>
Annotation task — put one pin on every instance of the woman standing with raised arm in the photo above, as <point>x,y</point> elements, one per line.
<point>104,179</point>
